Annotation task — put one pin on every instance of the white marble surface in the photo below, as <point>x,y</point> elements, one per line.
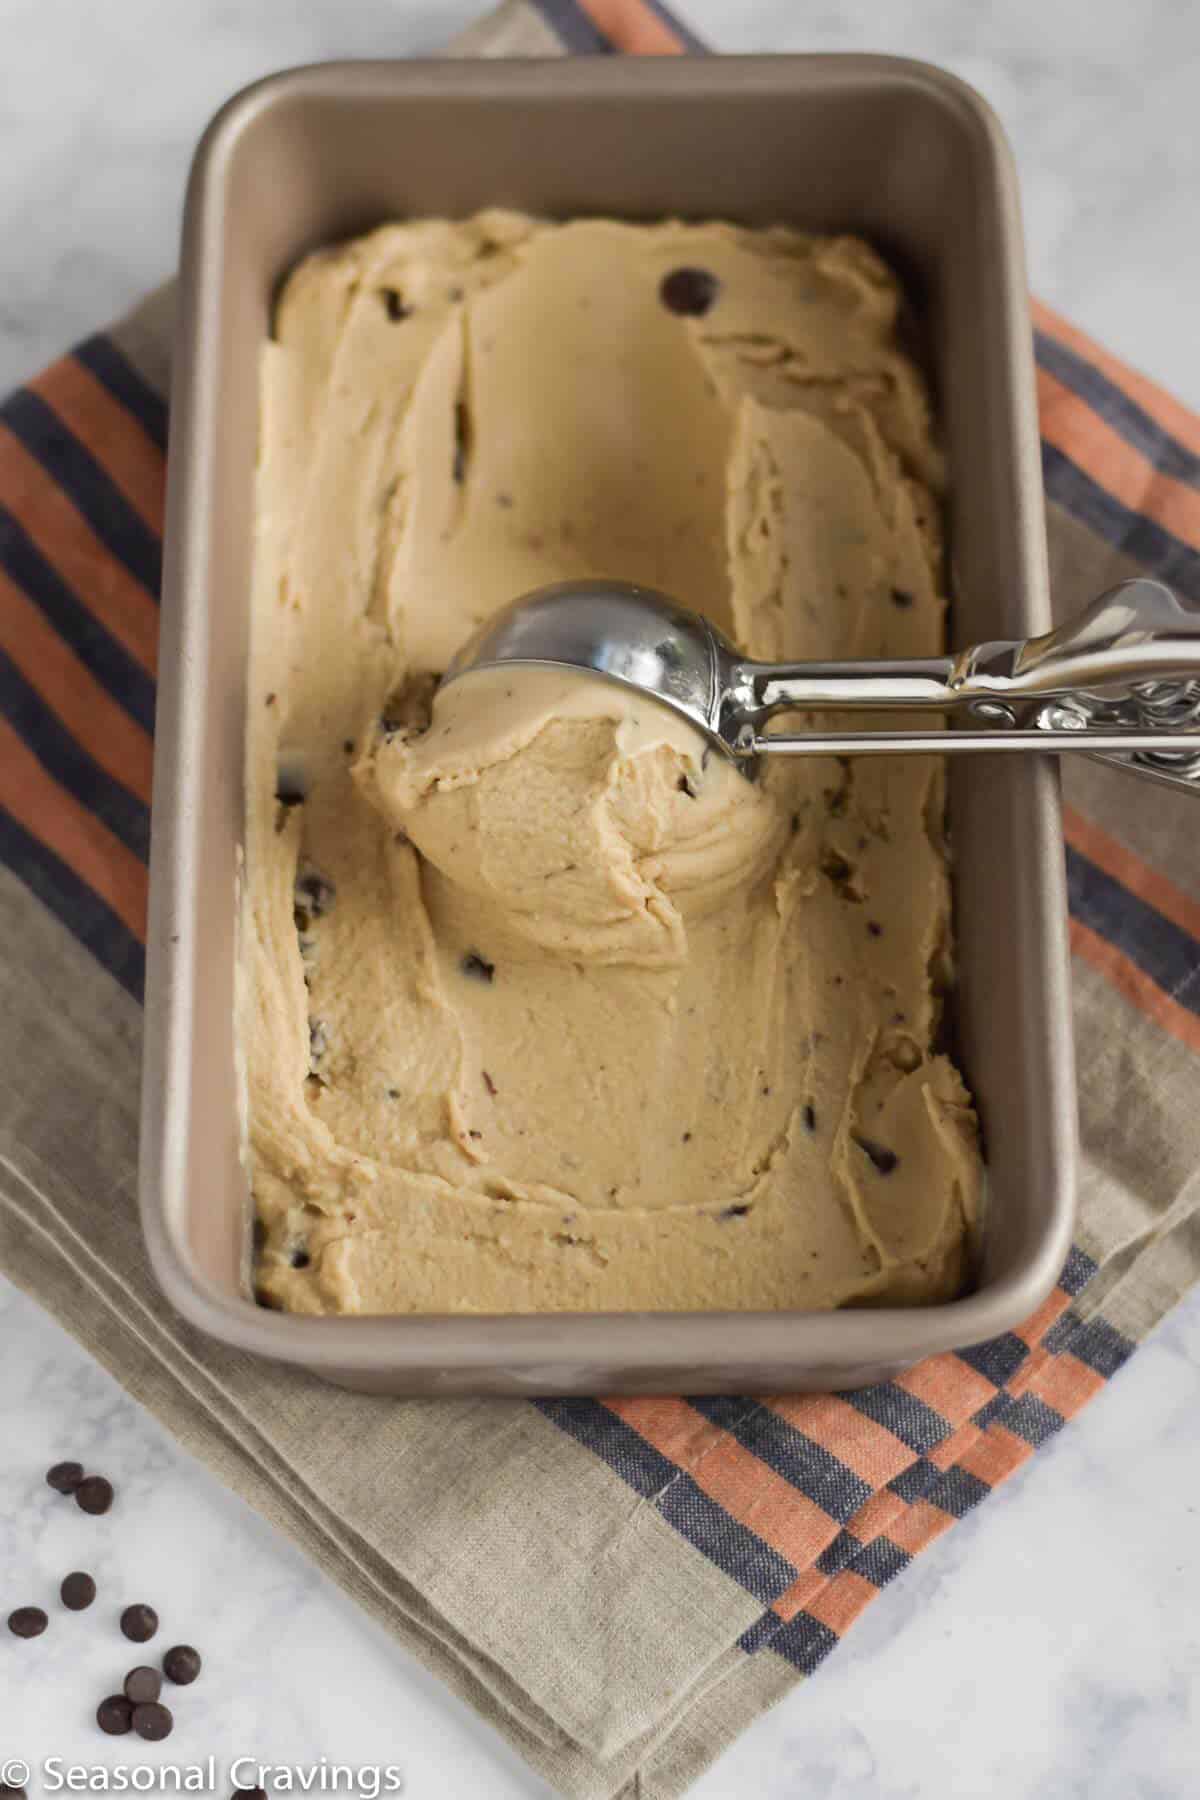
<point>1049,1646</point>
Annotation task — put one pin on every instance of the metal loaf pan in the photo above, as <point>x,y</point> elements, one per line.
<point>892,149</point>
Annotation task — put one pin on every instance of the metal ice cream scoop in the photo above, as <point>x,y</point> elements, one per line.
<point>1121,681</point>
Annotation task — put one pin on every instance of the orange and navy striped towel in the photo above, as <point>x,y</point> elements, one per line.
<point>641,1577</point>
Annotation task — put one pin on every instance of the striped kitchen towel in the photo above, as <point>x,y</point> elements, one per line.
<point>619,1585</point>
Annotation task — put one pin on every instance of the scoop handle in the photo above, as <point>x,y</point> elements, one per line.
<point>1121,680</point>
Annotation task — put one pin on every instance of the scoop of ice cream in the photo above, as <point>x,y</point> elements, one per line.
<point>588,820</point>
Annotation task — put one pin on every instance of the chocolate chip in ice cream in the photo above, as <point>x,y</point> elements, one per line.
<point>901,598</point>
<point>690,292</point>
<point>27,1622</point>
<point>463,436</point>
<point>94,1495</point>
<point>181,1664</point>
<point>393,304</point>
<point>115,1715</point>
<point>809,1115</point>
<point>153,1722</point>
<point>139,1623</point>
<point>78,1590</point>
<point>65,1477</point>
<point>477,967</point>
<point>289,789</point>
<point>883,1159</point>
<point>142,1685</point>
<point>314,892</point>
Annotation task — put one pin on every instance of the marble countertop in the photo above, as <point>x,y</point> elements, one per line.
<point>1050,1644</point>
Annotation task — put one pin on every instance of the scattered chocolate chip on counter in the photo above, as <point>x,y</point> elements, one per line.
<point>94,1494</point>
<point>27,1622</point>
<point>139,1623</point>
<point>181,1664</point>
<point>115,1715</point>
<point>65,1477</point>
<point>78,1590</point>
<point>153,1722</point>
<point>142,1685</point>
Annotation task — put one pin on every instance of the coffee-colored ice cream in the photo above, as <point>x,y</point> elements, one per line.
<point>542,1004</point>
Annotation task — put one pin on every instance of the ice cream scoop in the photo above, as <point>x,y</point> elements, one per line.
<point>1119,681</point>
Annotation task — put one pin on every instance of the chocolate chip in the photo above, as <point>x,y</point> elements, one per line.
<point>289,789</point>
<point>259,1233</point>
<point>94,1494</point>
<point>477,967</point>
<point>181,1664</point>
<point>65,1477</point>
<point>348,746</point>
<point>688,787</point>
<point>318,1039</point>
<point>300,1259</point>
<point>874,928</point>
<point>139,1623</point>
<point>885,1160</point>
<point>841,873</point>
<point>267,1300</point>
<point>463,437</point>
<point>809,1115</point>
<point>115,1715</point>
<point>687,1137</point>
<point>734,1212</point>
<point>901,599</point>
<point>393,305</point>
<point>153,1722</point>
<point>489,1084</point>
<point>142,1685</point>
<point>27,1622</point>
<point>314,892</point>
<point>78,1590</point>
<point>690,292</point>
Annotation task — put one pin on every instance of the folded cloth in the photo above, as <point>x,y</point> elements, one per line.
<point>620,1586</point>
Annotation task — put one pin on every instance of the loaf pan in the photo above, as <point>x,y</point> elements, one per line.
<point>895,150</point>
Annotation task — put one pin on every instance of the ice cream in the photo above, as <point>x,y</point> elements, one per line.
<point>541,1005</point>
